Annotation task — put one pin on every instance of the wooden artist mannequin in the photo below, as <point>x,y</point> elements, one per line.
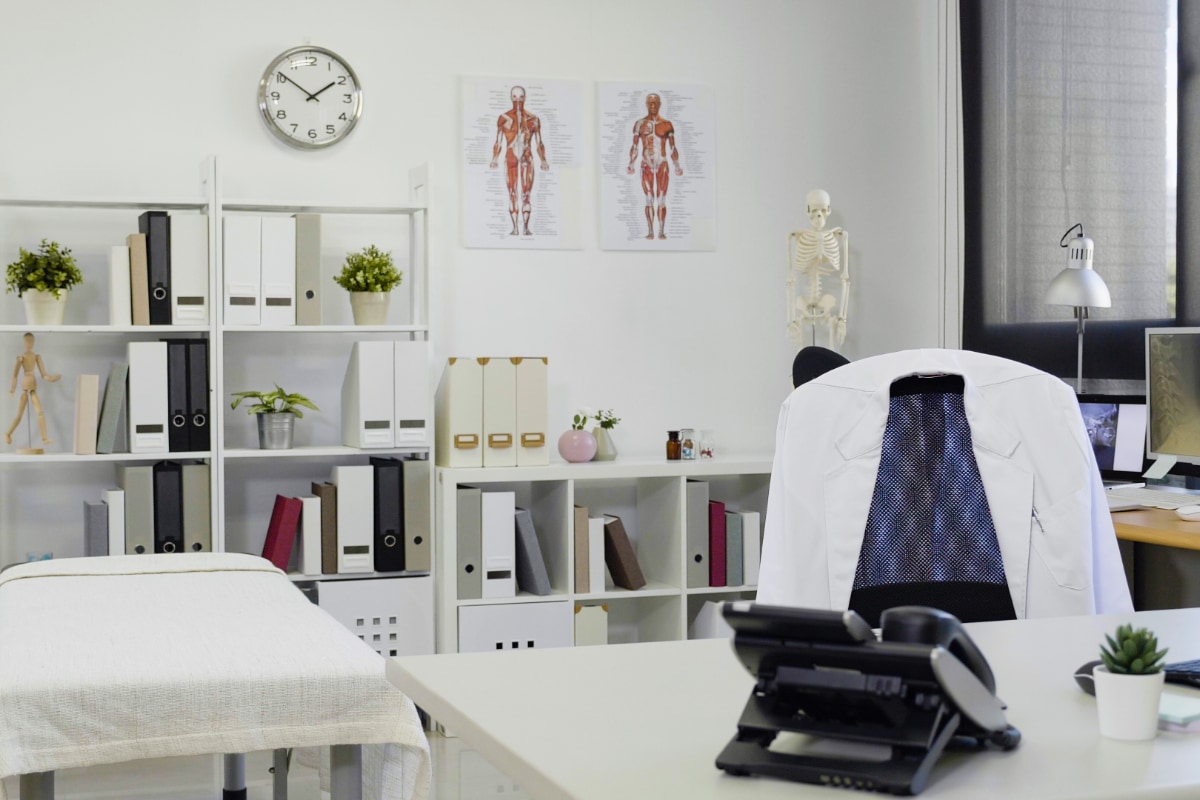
<point>29,361</point>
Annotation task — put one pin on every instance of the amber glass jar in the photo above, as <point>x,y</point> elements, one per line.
<point>673,446</point>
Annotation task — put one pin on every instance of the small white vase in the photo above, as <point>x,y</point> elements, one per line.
<point>1128,704</point>
<point>370,308</point>
<point>43,308</point>
<point>605,449</point>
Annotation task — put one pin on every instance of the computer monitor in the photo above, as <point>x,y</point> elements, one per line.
<point>1173,393</point>
<point>1116,426</point>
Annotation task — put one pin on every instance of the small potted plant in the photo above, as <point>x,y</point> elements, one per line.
<point>369,276</point>
<point>577,445</point>
<point>606,420</point>
<point>277,411</point>
<point>43,280</point>
<point>1129,684</point>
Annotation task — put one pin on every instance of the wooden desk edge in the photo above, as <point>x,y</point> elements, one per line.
<point>1156,526</point>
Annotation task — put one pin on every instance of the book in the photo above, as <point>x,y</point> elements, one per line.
<point>281,533</point>
<point>119,310</point>
<point>582,584</point>
<point>95,528</point>
<point>139,279</point>
<point>328,494</point>
<point>619,555</point>
<point>595,551</point>
<point>87,399</point>
<point>111,410</point>
<point>531,565</point>
<point>733,548</point>
<point>751,547</point>
<point>716,543</point>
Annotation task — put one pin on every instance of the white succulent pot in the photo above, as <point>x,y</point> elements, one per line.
<point>370,308</point>
<point>1128,704</point>
<point>43,308</point>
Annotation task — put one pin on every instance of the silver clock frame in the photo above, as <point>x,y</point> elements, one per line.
<point>266,114</point>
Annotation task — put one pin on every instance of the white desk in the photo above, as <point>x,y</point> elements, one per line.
<point>648,720</point>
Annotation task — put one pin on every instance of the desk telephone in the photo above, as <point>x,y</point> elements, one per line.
<point>921,686</point>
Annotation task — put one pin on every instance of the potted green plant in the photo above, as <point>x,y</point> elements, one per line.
<point>606,420</point>
<point>43,280</point>
<point>1129,684</point>
<point>369,276</point>
<point>277,411</point>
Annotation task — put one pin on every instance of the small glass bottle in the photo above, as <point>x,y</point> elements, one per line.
<point>672,445</point>
<point>706,444</point>
<point>688,444</point>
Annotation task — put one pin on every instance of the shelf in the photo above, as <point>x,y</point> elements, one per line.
<point>651,589</point>
<point>296,577</point>
<point>317,451</point>
<point>58,458</point>
<point>165,329</point>
<point>723,589</point>
<point>118,203</point>
<point>292,208</point>
<point>748,464</point>
<point>325,329</point>
<point>521,597</point>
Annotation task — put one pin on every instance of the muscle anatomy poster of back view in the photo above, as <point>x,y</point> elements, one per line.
<point>658,158</point>
<point>522,159</point>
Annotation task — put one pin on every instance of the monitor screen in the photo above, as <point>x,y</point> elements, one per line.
<point>1116,426</point>
<point>1173,393</point>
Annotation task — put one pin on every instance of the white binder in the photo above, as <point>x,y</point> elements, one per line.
<point>355,520</point>
<point>596,554</point>
<point>532,391</point>
<point>460,414</point>
<point>499,412</point>
<point>115,498</point>
<point>147,397</point>
<point>120,307</point>
<point>189,269</point>
<point>751,547</point>
<point>368,407</point>
<point>499,523</point>
<point>310,535</point>
<point>514,626</point>
<point>243,269</point>
<point>412,395</point>
<point>308,269</point>
<point>591,625</point>
<point>278,297</point>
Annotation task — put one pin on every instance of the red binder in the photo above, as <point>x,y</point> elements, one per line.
<point>285,518</point>
<point>716,543</point>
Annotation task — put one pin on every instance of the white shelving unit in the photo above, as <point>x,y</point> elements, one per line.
<point>650,498</point>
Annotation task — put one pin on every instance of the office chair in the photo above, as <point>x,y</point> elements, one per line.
<point>813,362</point>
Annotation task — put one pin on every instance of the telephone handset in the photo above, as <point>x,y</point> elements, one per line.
<point>923,625</point>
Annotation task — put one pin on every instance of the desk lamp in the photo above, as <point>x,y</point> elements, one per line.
<point>1080,287</point>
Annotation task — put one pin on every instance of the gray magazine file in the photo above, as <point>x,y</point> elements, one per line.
<point>531,565</point>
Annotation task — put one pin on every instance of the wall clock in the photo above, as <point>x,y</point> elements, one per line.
<point>309,97</point>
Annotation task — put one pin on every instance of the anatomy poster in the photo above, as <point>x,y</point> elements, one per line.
<point>522,144</point>
<point>658,157</point>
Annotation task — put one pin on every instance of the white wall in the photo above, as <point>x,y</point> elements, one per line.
<point>128,96</point>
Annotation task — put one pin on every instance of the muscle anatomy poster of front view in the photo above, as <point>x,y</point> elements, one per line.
<point>658,157</point>
<point>522,159</point>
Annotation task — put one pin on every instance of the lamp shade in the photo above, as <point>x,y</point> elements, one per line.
<point>1078,286</point>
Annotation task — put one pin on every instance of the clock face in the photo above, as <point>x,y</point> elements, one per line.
<point>310,97</point>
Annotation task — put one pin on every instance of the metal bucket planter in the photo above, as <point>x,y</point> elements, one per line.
<point>275,431</point>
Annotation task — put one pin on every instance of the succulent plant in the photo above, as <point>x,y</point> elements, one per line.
<point>1132,652</point>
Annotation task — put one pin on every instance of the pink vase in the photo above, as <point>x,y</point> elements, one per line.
<point>577,446</point>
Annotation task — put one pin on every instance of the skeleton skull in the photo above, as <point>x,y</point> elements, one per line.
<point>818,207</point>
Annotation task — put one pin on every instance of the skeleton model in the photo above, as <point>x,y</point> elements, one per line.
<point>652,137</point>
<point>816,254</point>
<point>517,133</point>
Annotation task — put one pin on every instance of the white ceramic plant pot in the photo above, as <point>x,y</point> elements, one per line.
<point>43,308</point>
<point>1128,704</point>
<point>370,308</point>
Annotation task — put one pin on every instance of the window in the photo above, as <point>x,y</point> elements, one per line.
<point>1069,115</point>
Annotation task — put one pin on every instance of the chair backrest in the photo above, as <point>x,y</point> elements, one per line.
<point>930,539</point>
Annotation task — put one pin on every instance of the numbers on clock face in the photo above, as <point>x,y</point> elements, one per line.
<point>310,97</point>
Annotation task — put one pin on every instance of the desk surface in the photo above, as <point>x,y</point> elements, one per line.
<point>1156,526</point>
<point>647,720</point>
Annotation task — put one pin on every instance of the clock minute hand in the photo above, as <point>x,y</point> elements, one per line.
<point>323,88</point>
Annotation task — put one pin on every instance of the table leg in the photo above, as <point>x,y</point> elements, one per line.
<point>346,772</point>
<point>280,771</point>
<point>235,777</point>
<point>37,786</point>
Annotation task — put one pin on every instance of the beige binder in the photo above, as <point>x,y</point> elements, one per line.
<point>418,518</point>
<point>532,445</point>
<point>87,403</point>
<point>138,483</point>
<point>197,509</point>
<point>460,414</point>
<point>139,279</point>
<point>499,412</point>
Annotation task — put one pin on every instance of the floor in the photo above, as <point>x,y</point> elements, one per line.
<point>459,773</point>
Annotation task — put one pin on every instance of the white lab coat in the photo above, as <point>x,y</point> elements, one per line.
<point>1039,473</point>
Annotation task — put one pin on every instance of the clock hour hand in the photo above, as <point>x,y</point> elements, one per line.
<point>313,96</point>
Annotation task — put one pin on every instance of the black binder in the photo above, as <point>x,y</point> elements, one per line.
<point>178,438</point>
<point>197,388</point>
<point>168,507</point>
<point>157,227</point>
<point>389,515</point>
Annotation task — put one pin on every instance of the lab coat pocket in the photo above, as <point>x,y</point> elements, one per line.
<point>1060,535</point>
